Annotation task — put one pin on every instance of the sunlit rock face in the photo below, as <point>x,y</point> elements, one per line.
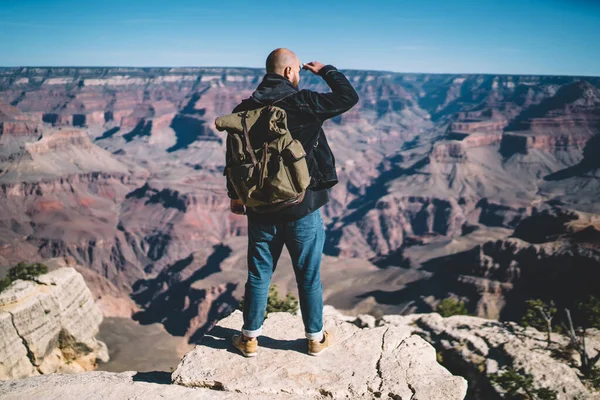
<point>49,325</point>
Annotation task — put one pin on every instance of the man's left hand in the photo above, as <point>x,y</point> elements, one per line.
<point>237,207</point>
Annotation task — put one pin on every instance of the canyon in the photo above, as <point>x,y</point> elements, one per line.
<point>470,186</point>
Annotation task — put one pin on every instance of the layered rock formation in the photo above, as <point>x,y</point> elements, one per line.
<point>478,348</point>
<point>552,255</point>
<point>59,154</point>
<point>483,171</point>
<point>49,325</point>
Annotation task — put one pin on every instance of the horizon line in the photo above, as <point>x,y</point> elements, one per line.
<point>341,69</point>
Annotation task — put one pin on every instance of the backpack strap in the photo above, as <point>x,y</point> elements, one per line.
<point>249,148</point>
<point>263,167</point>
<point>284,97</point>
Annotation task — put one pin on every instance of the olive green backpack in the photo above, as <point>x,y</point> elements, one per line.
<point>268,166</point>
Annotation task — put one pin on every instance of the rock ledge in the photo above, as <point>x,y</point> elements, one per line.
<point>385,361</point>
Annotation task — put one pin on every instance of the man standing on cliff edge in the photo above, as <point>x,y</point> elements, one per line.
<point>299,227</point>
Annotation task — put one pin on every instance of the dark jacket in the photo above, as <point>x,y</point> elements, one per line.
<point>306,110</point>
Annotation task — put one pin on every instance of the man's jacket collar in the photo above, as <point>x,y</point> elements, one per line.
<point>273,87</point>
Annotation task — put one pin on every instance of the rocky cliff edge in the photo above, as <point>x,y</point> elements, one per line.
<point>49,325</point>
<point>363,363</point>
<point>379,362</point>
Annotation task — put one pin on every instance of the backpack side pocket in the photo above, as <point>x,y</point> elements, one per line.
<point>294,157</point>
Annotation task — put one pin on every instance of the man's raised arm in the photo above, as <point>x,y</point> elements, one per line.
<point>328,105</point>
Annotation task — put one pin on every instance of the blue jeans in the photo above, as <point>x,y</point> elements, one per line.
<point>304,239</point>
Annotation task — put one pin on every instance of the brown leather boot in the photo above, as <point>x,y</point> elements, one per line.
<point>316,347</point>
<point>247,346</point>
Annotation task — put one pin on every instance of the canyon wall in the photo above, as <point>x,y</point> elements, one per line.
<point>120,169</point>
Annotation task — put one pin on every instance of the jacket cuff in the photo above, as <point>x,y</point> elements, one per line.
<point>327,68</point>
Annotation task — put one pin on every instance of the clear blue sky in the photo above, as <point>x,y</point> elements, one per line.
<point>470,36</point>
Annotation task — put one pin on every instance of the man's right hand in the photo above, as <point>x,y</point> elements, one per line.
<point>313,66</point>
<point>237,207</point>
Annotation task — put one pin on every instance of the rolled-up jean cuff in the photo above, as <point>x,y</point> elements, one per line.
<point>254,333</point>
<point>314,335</point>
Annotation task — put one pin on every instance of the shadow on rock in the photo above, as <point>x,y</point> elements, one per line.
<point>590,162</point>
<point>171,298</point>
<point>220,338</point>
<point>162,377</point>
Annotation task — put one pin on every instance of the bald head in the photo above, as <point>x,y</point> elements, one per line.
<point>279,59</point>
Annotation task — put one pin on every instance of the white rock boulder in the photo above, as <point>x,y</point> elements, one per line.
<point>49,325</point>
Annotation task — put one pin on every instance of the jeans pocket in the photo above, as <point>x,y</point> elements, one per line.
<point>258,232</point>
<point>305,228</point>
